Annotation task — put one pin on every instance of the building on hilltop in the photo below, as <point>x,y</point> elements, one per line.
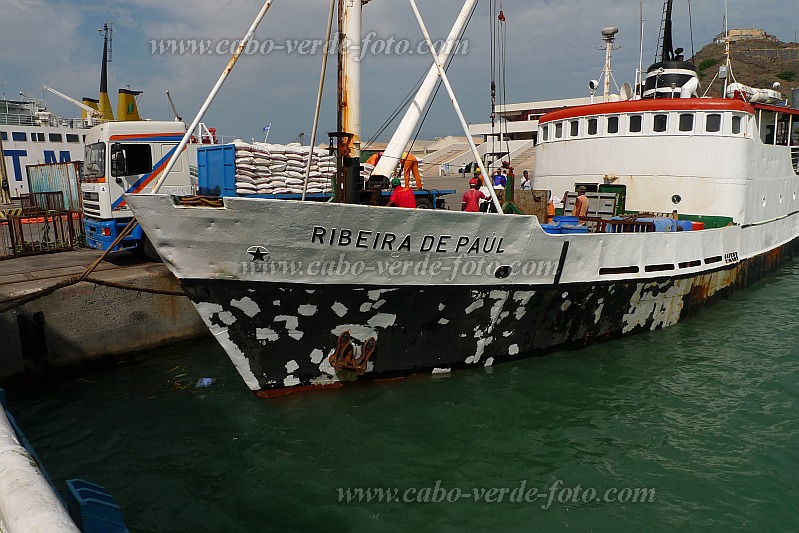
<point>745,34</point>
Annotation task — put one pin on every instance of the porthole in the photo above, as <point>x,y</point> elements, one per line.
<point>780,198</point>
<point>764,201</point>
<point>676,199</point>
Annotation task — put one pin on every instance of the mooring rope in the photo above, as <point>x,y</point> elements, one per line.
<point>13,303</point>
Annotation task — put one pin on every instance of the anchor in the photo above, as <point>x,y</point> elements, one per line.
<point>343,357</point>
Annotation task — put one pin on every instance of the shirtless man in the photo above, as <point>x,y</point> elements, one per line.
<point>581,203</point>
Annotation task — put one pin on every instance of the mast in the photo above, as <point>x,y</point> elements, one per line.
<point>672,76</point>
<point>105,103</point>
<point>639,81</point>
<point>349,101</point>
<point>608,35</point>
<point>668,46</point>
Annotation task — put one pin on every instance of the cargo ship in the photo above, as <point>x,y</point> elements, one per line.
<point>689,200</point>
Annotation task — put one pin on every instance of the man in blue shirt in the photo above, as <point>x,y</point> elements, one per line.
<point>499,178</point>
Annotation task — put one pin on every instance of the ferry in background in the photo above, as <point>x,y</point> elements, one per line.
<point>32,135</point>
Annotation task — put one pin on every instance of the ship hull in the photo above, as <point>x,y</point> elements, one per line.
<point>290,343</point>
<point>280,283</point>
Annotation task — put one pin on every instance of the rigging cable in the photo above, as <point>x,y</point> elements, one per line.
<point>498,74</point>
<point>503,77</point>
<point>493,52</point>
<point>440,83</point>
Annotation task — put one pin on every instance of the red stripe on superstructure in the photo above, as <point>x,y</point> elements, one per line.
<point>122,136</point>
<point>778,109</point>
<point>652,104</point>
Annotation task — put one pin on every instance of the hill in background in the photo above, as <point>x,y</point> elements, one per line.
<point>758,60</point>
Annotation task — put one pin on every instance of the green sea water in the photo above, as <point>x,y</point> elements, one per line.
<point>702,415</point>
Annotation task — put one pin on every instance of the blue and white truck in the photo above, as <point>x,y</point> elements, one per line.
<point>127,158</point>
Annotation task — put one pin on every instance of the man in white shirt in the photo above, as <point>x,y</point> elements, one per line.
<point>525,183</point>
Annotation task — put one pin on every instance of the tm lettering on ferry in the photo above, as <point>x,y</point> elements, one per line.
<point>376,240</point>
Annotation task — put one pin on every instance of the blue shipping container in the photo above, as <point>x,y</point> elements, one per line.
<point>216,170</point>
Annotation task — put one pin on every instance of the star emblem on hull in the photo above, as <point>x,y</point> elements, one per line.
<point>258,254</point>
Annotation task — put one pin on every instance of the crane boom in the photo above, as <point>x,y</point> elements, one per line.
<point>91,111</point>
<point>178,118</point>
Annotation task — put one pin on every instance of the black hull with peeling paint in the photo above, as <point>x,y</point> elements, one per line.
<point>433,329</point>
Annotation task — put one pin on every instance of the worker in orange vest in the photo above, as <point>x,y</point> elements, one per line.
<point>410,165</point>
<point>374,158</point>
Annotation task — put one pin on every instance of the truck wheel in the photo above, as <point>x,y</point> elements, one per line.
<point>423,203</point>
<point>147,248</point>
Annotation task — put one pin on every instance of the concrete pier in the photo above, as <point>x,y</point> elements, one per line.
<point>87,321</point>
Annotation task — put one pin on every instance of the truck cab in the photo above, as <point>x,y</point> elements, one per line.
<point>127,158</point>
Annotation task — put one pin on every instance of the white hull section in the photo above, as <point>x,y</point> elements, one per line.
<point>208,243</point>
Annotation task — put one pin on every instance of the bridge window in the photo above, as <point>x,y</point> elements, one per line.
<point>575,128</point>
<point>3,136</point>
<point>659,123</point>
<point>559,130</point>
<point>687,122</point>
<point>55,137</point>
<point>592,126</point>
<point>613,124</point>
<point>19,136</point>
<point>72,138</point>
<point>635,123</point>
<point>736,124</point>
<point>713,123</point>
<point>545,133</point>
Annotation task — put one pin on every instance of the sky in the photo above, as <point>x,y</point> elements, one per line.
<point>550,53</point>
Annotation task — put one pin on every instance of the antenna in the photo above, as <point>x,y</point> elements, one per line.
<point>639,78</point>
<point>727,63</point>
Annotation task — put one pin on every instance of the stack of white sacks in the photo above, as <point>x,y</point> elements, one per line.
<point>367,171</point>
<point>263,168</point>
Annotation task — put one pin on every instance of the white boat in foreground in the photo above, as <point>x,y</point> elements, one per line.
<point>304,294</point>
